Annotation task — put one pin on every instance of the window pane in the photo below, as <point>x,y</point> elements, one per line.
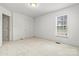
<point>62,25</point>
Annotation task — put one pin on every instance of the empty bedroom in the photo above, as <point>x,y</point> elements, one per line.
<point>39,29</point>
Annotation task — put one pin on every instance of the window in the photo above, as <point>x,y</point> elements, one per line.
<point>61,26</point>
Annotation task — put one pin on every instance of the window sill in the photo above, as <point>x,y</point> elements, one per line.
<point>62,36</point>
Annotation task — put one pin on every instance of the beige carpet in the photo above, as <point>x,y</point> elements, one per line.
<point>36,47</point>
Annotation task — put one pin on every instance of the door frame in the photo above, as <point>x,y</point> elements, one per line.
<point>8,27</point>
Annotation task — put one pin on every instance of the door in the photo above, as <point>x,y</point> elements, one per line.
<point>5,28</point>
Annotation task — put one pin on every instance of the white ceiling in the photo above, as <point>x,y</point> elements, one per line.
<point>43,8</point>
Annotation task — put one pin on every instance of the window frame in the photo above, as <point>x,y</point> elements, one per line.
<point>61,26</point>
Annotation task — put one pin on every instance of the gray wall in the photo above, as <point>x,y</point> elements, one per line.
<point>22,26</point>
<point>45,26</point>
